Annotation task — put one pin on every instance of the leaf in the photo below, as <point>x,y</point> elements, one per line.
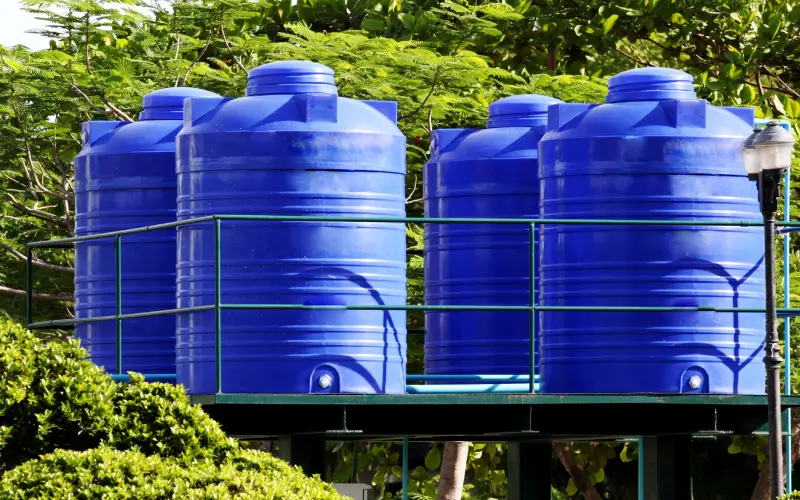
<point>433,459</point>
<point>748,94</point>
<point>609,23</point>
<point>599,476</point>
<point>572,489</point>
<point>733,449</point>
<point>372,25</point>
<point>677,18</point>
<point>776,102</point>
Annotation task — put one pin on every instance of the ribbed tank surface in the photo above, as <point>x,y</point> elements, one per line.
<point>292,147</point>
<point>125,178</point>
<point>652,151</point>
<point>489,173</point>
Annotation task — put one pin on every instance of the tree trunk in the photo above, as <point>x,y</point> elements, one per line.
<point>454,464</point>
<point>763,486</point>
<point>582,480</point>
<point>552,60</point>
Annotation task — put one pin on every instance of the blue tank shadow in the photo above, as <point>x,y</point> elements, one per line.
<point>388,323</point>
<point>736,365</point>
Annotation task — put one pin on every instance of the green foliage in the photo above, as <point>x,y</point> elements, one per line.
<point>108,473</point>
<point>52,397</point>
<point>158,418</point>
<point>792,495</point>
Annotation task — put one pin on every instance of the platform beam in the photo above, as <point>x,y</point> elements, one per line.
<point>529,470</point>
<point>308,452</point>
<point>667,473</point>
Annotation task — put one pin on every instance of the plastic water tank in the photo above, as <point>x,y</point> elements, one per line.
<point>652,151</point>
<point>293,147</point>
<point>125,178</point>
<point>489,173</point>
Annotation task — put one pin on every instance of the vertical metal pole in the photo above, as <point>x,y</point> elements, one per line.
<point>28,286</point>
<point>532,333</point>
<point>354,477</point>
<point>640,463</point>
<point>405,468</point>
<point>218,301</point>
<point>787,322</point>
<point>772,359</point>
<point>118,297</point>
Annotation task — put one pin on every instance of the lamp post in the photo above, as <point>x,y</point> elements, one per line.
<point>767,156</point>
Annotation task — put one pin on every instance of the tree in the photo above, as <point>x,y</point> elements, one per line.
<point>444,62</point>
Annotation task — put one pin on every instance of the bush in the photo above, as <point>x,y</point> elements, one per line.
<point>104,473</point>
<point>157,418</point>
<point>52,397</point>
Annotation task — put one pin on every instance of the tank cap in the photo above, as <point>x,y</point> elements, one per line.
<point>650,84</point>
<point>167,104</point>
<point>291,77</point>
<point>526,110</point>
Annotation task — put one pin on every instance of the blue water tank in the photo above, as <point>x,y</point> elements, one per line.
<point>125,178</point>
<point>293,147</point>
<point>652,151</point>
<point>489,173</point>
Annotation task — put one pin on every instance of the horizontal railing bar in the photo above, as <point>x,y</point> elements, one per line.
<point>467,220</point>
<point>469,378</point>
<point>152,377</point>
<point>378,307</point>
<point>121,232</point>
<point>783,312</point>
<point>97,319</point>
<point>470,389</point>
<point>371,307</point>
<point>415,220</point>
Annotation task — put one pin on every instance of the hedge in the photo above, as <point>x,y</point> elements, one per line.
<point>52,397</point>
<point>106,473</point>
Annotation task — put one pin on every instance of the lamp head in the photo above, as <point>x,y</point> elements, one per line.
<point>773,147</point>
<point>751,161</point>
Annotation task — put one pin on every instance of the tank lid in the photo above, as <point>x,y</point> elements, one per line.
<point>650,84</point>
<point>167,104</point>
<point>524,110</point>
<point>291,77</point>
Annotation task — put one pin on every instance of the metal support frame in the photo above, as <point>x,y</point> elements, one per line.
<point>307,452</point>
<point>666,467</point>
<point>529,470</point>
<point>661,475</point>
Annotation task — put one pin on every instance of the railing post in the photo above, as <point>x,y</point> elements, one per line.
<point>28,286</point>
<point>218,302</point>
<point>787,322</point>
<point>533,304</point>
<point>118,297</point>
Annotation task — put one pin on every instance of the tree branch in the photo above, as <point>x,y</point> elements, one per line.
<point>225,39</point>
<point>34,260</point>
<point>117,112</point>
<point>582,481</point>
<point>41,214</point>
<point>197,59</point>
<point>41,296</point>
<point>113,109</point>
<point>788,89</point>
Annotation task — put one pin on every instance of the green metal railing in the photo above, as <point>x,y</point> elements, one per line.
<point>219,306</point>
<point>787,312</point>
<point>532,307</point>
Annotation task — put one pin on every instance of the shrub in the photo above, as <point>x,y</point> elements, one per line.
<point>104,473</point>
<point>52,397</point>
<point>158,418</point>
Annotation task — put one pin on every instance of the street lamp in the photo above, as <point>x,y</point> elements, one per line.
<point>767,157</point>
